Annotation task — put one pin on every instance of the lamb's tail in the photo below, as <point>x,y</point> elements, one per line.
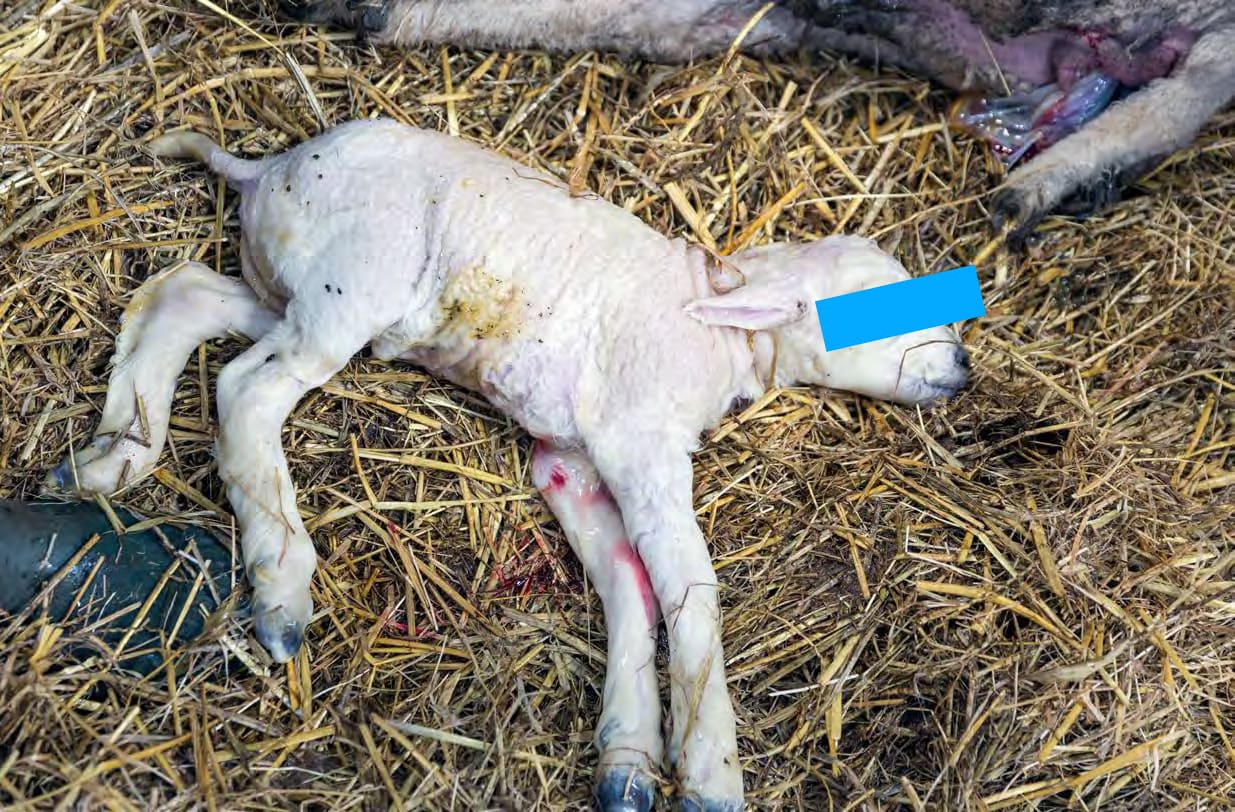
<point>185,144</point>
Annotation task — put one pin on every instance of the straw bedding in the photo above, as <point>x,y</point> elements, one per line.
<point>1022,600</point>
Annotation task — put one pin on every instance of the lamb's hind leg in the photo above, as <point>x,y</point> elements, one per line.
<point>168,317</point>
<point>256,393</point>
<point>628,733</point>
<point>650,476</point>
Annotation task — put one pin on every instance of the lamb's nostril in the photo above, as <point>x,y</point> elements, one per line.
<point>962,358</point>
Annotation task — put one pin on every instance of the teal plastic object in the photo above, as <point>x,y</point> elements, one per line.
<point>40,539</point>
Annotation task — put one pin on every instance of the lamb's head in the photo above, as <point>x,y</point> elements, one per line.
<point>783,282</point>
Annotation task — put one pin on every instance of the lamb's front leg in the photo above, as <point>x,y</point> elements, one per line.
<point>169,315</point>
<point>651,480</point>
<point>628,734</point>
<point>257,391</point>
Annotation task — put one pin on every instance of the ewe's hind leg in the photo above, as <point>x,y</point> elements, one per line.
<point>673,32</point>
<point>651,480</point>
<point>1159,119</point>
<point>257,391</point>
<point>168,317</point>
<point>628,733</point>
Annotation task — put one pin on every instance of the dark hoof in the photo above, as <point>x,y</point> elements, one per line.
<point>38,540</point>
<point>691,803</point>
<point>372,20</point>
<point>1106,189</point>
<point>1005,209</point>
<point>861,21</point>
<point>1009,210</point>
<point>368,16</point>
<point>624,789</point>
<point>873,17</point>
<point>278,632</point>
<point>61,477</point>
<point>1094,197</point>
<point>341,12</point>
<point>303,11</point>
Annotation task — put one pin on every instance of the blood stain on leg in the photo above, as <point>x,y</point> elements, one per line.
<point>625,555</point>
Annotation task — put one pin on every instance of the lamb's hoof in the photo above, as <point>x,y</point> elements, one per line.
<point>87,472</point>
<point>693,803</point>
<point>61,477</point>
<point>39,539</point>
<point>278,631</point>
<point>1010,209</point>
<point>624,789</point>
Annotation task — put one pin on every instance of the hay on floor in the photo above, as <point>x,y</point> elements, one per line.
<point>1022,600</point>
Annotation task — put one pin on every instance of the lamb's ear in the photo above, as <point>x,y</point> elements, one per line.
<point>752,307</point>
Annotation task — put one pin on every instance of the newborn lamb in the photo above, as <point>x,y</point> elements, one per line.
<point>612,345</point>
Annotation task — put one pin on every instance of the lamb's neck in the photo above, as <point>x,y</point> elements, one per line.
<point>752,358</point>
<point>751,354</point>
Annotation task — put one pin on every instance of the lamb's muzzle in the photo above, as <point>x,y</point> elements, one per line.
<point>605,340</point>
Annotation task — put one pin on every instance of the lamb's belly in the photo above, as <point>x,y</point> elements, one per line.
<point>525,380</point>
<point>494,336</point>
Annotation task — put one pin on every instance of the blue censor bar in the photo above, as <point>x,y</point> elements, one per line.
<point>901,307</point>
